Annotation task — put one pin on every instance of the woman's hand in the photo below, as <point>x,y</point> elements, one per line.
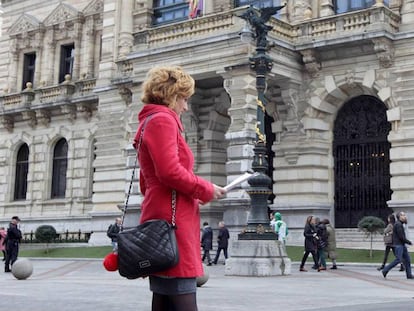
<point>219,192</point>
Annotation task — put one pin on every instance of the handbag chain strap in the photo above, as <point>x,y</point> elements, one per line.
<point>174,193</point>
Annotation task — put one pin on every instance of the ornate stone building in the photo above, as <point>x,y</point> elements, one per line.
<point>340,113</point>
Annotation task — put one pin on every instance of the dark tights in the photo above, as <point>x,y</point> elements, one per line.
<point>184,302</point>
<point>305,256</point>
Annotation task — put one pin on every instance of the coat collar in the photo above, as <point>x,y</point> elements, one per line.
<point>150,109</point>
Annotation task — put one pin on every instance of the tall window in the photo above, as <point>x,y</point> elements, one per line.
<point>22,167</point>
<point>342,6</point>
<point>167,11</point>
<point>29,62</point>
<point>60,164</point>
<point>67,56</point>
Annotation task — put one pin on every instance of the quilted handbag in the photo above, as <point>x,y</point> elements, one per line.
<point>150,247</point>
<point>146,249</point>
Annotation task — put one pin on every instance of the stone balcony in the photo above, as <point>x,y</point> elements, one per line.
<point>37,106</point>
<point>377,19</point>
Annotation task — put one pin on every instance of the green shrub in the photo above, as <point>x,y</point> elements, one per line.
<point>371,225</point>
<point>45,234</point>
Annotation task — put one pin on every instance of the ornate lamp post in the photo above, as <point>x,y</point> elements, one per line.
<point>258,227</point>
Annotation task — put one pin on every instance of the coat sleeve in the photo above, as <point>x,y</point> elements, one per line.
<point>161,139</point>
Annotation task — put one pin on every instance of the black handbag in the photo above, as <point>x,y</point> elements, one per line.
<point>150,247</point>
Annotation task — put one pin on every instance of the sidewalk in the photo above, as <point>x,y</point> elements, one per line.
<point>79,285</point>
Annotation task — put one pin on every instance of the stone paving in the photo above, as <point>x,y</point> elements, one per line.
<point>75,285</point>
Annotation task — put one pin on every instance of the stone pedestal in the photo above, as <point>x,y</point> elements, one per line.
<point>258,258</point>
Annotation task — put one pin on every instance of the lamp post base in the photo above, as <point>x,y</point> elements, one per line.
<point>258,258</point>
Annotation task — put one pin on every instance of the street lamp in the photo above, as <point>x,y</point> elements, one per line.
<point>258,227</point>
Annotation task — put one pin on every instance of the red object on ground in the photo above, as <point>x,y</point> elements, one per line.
<point>110,262</point>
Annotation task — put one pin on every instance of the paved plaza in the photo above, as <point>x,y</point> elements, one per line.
<point>79,285</point>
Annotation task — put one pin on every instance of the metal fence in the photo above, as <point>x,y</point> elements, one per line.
<point>63,237</point>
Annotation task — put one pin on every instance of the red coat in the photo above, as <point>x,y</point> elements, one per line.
<point>166,163</point>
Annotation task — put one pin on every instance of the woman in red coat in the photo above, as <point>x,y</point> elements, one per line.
<point>166,164</point>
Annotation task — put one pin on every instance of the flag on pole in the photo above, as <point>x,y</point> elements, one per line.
<point>195,8</point>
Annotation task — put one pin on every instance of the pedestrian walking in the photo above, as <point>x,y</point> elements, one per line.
<point>330,250</point>
<point>280,227</point>
<point>3,234</point>
<point>207,242</point>
<point>311,243</point>
<point>222,241</point>
<point>112,233</point>
<point>388,242</point>
<point>14,235</point>
<point>401,252</point>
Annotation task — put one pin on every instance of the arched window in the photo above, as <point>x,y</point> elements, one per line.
<point>60,164</point>
<point>22,167</point>
<point>342,6</point>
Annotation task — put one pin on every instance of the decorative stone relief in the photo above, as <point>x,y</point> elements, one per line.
<point>70,111</point>
<point>292,124</point>
<point>94,7</point>
<point>301,10</point>
<point>43,117</point>
<point>311,60</point>
<point>86,110</point>
<point>327,8</point>
<point>30,116</point>
<point>141,4</point>
<point>24,24</point>
<point>126,95</point>
<point>8,123</point>
<point>350,78</point>
<point>222,5</point>
<point>63,12</point>
<point>385,51</point>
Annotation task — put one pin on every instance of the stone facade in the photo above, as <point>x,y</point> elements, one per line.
<point>321,61</point>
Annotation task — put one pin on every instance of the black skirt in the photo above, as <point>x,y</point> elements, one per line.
<point>172,286</point>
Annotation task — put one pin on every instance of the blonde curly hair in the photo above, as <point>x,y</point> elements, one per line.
<point>164,85</point>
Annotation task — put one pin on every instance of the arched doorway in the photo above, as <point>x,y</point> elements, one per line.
<point>362,161</point>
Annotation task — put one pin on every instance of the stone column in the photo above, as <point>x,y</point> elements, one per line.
<point>240,85</point>
<point>78,53</point>
<point>12,80</point>
<point>90,48</point>
<point>327,8</point>
<point>107,66</point>
<point>302,9</point>
<point>126,40</point>
<point>49,61</point>
<point>407,15</point>
<point>248,257</point>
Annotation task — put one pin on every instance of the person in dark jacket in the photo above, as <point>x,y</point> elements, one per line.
<point>322,243</point>
<point>401,253</point>
<point>223,241</point>
<point>207,242</point>
<point>311,243</point>
<point>14,235</point>
<point>388,242</point>
<point>112,233</point>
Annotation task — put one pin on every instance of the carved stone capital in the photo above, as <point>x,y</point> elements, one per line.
<point>43,117</point>
<point>8,123</point>
<point>70,111</point>
<point>30,116</point>
<point>86,110</point>
<point>126,95</point>
<point>385,51</point>
<point>311,60</point>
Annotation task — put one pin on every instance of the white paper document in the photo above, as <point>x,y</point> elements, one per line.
<point>239,180</point>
